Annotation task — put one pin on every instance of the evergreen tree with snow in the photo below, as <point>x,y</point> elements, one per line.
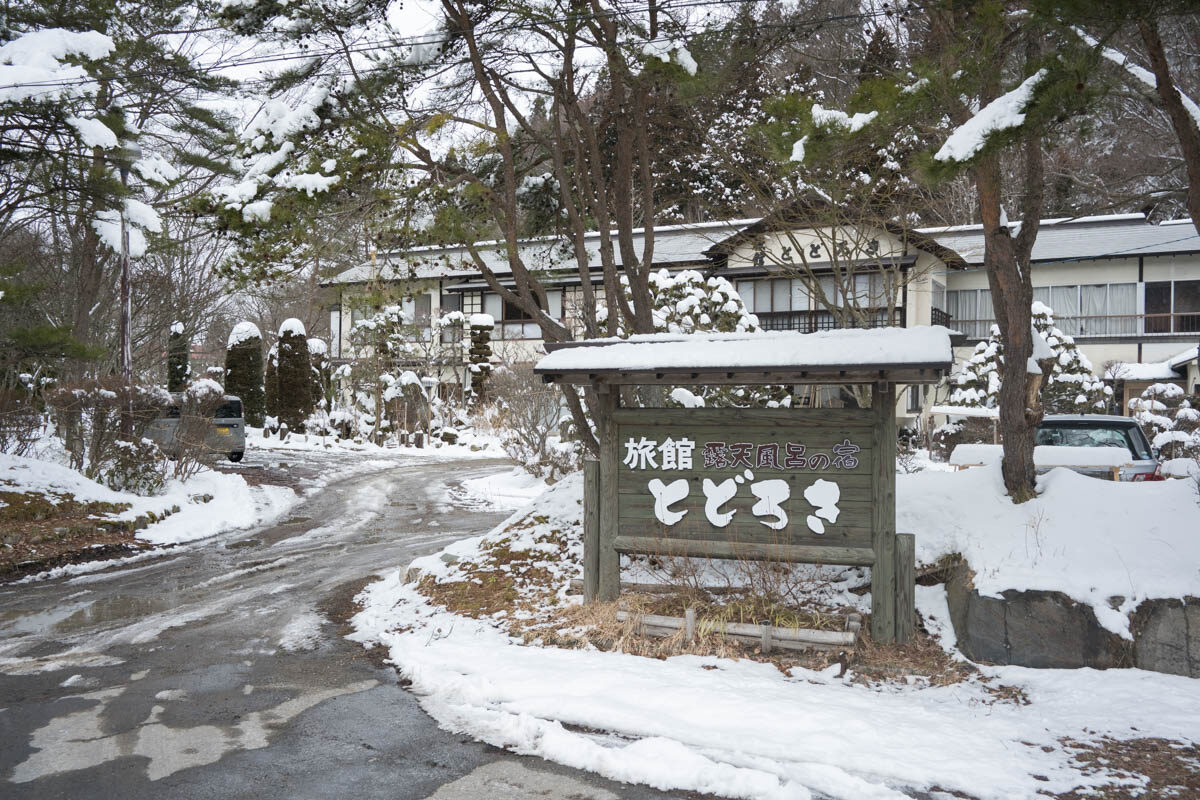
<point>318,353</point>
<point>687,302</point>
<point>977,384</point>
<point>294,376</point>
<point>244,371</point>
<point>1070,386</point>
<point>1170,418</point>
<point>177,358</point>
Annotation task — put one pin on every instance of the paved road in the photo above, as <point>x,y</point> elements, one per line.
<point>219,669</point>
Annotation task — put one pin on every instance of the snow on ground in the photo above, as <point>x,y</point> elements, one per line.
<point>234,504</point>
<point>1088,538</point>
<point>503,491</point>
<point>745,729</point>
<point>472,446</point>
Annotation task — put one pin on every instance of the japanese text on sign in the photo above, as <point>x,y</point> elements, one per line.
<point>677,454</point>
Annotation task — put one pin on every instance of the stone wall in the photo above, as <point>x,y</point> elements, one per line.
<point>1050,630</point>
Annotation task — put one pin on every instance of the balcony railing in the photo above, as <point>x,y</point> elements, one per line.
<point>811,321</point>
<point>939,317</point>
<point>1100,325</point>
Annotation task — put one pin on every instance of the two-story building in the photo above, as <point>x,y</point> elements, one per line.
<point>1129,291</point>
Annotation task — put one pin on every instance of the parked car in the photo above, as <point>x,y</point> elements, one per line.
<point>226,434</point>
<point>1100,430</point>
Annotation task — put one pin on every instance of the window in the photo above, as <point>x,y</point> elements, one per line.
<point>1187,306</point>
<point>939,296</point>
<point>472,302</point>
<point>422,310</point>
<point>451,302</point>
<point>916,396</point>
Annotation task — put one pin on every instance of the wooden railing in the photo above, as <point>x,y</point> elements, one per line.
<point>1100,325</point>
<point>811,321</point>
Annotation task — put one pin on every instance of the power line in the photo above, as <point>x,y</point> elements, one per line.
<point>431,38</point>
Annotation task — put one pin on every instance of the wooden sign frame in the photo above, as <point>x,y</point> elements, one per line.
<point>618,520</point>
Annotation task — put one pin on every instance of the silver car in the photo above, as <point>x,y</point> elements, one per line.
<point>226,434</point>
<point>1100,430</point>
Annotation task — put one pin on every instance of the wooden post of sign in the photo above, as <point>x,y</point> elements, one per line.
<point>608,586</point>
<point>906,586</point>
<point>591,529</point>
<point>883,516</point>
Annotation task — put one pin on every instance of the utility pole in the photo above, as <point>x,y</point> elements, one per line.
<point>128,154</point>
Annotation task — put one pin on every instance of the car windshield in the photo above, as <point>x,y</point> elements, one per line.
<point>1093,434</point>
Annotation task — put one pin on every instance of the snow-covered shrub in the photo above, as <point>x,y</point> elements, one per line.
<point>294,376</point>
<point>88,420</point>
<point>197,405</point>
<point>1069,386</point>
<point>972,430</point>
<point>528,413</point>
<point>686,302</point>
<point>244,370</point>
<point>21,423</point>
<point>1170,418</point>
<point>138,466</point>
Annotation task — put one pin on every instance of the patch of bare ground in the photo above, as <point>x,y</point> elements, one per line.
<point>521,592</point>
<point>43,530</point>
<point>1147,768</point>
<point>339,605</point>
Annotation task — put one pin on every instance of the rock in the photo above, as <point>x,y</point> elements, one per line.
<point>449,558</point>
<point>1160,630</point>
<point>1030,629</point>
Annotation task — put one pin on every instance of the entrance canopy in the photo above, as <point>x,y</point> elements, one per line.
<point>915,355</point>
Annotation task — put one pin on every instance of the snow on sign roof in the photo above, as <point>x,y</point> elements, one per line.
<point>918,354</point>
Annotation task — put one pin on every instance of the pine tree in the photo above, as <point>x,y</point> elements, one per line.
<point>1070,387</point>
<point>244,371</point>
<point>178,368</point>
<point>294,376</point>
<point>977,384</point>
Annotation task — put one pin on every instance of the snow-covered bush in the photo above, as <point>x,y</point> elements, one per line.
<point>138,466</point>
<point>88,420</point>
<point>294,375</point>
<point>528,414</point>
<point>1069,386</point>
<point>1170,418</point>
<point>686,302</point>
<point>244,370</point>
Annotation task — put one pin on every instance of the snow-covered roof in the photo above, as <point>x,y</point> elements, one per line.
<point>853,355</point>
<point>673,244</point>
<point>1169,370</point>
<point>1113,236</point>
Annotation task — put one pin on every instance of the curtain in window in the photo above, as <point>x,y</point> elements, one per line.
<point>746,290</point>
<point>1066,308</point>
<point>964,308</point>
<point>762,297</point>
<point>986,310</point>
<point>781,295</point>
<point>1093,303</point>
<point>1041,294</point>
<point>1122,308</point>
<point>799,296</point>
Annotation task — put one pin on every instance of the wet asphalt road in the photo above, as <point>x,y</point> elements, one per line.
<point>218,669</point>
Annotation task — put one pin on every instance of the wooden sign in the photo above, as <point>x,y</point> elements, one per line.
<point>759,484</point>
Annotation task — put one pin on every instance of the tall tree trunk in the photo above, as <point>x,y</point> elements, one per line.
<point>1185,127</point>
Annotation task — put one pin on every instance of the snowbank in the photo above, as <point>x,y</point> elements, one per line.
<point>1045,455</point>
<point>1090,539</point>
<point>504,491</point>
<point>745,729</point>
<point>234,503</point>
